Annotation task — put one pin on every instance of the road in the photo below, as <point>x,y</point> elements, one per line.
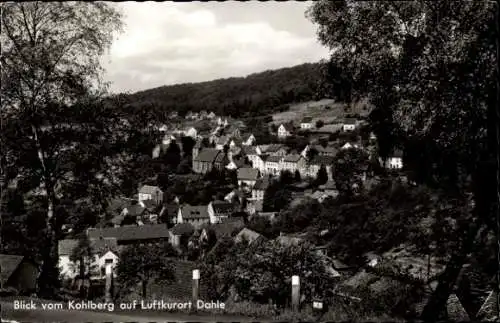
<point>8,313</point>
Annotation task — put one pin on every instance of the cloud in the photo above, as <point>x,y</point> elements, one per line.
<point>168,43</point>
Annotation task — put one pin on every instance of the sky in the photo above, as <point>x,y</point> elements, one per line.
<point>166,43</point>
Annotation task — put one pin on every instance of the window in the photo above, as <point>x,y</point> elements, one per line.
<point>108,261</point>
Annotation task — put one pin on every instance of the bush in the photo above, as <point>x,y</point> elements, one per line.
<point>9,291</point>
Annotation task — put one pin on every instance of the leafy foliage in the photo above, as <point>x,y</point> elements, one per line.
<point>349,168</point>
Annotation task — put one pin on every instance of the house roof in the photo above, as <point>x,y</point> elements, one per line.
<point>274,147</point>
<point>8,264</point>
<point>117,205</point>
<point>326,150</point>
<point>273,159</point>
<point>455,309</point>
<point>225,228</point>
<point>208,155</point>
<point>195,212</point>
<point>307,120</point>
<point>262,183</point>
<point>183,229</point>
<point>149,204</point>
<point>250,150</point>
<point>222,140</point>
<point>292,158</point>
<point>222,206</point>
<point>488,310</point>
<point>247,136</point>
<point>322,160</point>
<point>397,153</point>
<point>330,185</point>
<point>135,210</point>
<point>248,234</point>
<point>288,240</point>
<point>131,232</point>
<point>148,189</point>
<point>248,173</point>
<point>350,121</point>
<point>99,246</point>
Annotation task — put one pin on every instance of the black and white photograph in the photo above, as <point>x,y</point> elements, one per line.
<point>250,161</point>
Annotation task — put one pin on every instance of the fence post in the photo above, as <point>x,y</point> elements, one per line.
<point>109,273</point>
<point>295,293</point>
<point>196,286</point>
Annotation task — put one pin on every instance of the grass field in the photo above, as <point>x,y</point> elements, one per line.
<point>326,110</point>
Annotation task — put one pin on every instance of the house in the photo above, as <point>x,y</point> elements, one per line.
<point>191,132</point>
<point>195,215</point>
<point>321,196</point>
<point>394,160</point>
<point>196,149</point>
<point>254,206</point>
<point>260,188</point>
<point>275,150</point>
<point>220,210</point>
<point>225,229</point>
<point>349,124</point>
<point>156,152</point>
<point>208,159</point>
<point>293,163</point>
<point>272,165</point>
<point>235,164</point>
<point>349,145</point>
<point>247,176</point>
<point>248,236</point>
<point>105,252</point>
<point>135,211</point>
<point>283,132</point>
<point>249,140</point>
<point>163,128</point>
<point>148,192</point>
<point>306,123</point>
<point>326,151</point>
<point>221,142</point>
<point>19,273</point>
<point>211,115</point>
<point>271,216</point>
<point>131,234</point>
<point>180,234</point>
<point>316,163</point>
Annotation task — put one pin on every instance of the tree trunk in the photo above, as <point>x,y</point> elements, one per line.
<point>50,258</point>
<point>144,288</point>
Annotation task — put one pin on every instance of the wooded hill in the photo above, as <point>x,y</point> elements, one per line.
<point>253,95</point>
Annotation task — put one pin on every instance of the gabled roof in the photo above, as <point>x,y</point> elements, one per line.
<point>274,147</point>
<point>8,264</point>
<point>250,150</point>
<point>322,160</point>
<point>273,159</point>
<point>222,206</point>
<point>148,189</point>
<point>306,120</point>
<point>225,228</point>
<point>183,229</point>
<point>195,212</point>
<point>248,173</point>
<point>292,158</point>
<point>489,308</point>
<point>455,309</point>
<point>350,121</point>
<point>248,235</point>
<point>397,153</point>
<point>131,232</point>
<point>208,155</point>
<point>326,150</point>
<point>118,204</point>
<point>135,210</point>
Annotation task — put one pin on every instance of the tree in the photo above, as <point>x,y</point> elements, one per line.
<point>297,176</point>
<point>349,168</point>
<point>187,145</point>
<point>311,153</point>
<point>50,69</point>
<point>82,255</point>
<point>416,56</point>
<point>319,124</point>
<point>145,263</point>
<point>322,176</point>
<point>173,154</point>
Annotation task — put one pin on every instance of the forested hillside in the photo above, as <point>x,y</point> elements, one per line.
<point>252,95</point>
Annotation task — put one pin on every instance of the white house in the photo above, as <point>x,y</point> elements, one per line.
<point>163,128</point>
<point>348,145</point>
<point>247,176</point>
<point>148,192</point>
<point>349,124</point>
<point>249,141</point>
<point>105,251</point>
<point>272,165</point>
<point>283,132</point>
<point>191,132</point>
<point>196,215</point>
<point>306,123</point>
<point>394,160</point>
<point>156,152</point>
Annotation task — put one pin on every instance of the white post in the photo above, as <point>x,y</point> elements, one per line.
<point>109,273</point>
<point>196,285</point>
<point>295,293</point>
